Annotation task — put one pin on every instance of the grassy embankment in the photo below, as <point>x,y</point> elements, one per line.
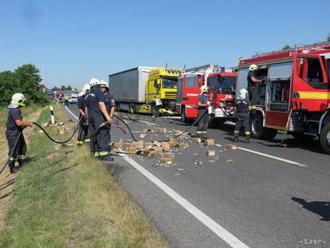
<point>64,198</point>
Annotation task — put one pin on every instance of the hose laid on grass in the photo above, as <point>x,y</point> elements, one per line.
<point>11,154</point>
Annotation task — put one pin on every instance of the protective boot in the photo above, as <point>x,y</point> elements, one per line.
<point>21,163</point>
<point>247,139</point>
<point>235,138</point>
<point>12,167</point>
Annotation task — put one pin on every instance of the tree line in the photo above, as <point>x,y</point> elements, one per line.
<point>25,79</point>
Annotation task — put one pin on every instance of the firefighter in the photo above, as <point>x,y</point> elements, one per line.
<point>109,102</point>
<point>14,132</point>
<point>253,83</point>
<point>98,115</point>
<point>243,107</point>
<point>202,110</point>
<point>83,135</point>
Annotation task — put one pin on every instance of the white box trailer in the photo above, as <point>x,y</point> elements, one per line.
<point>129,86</point>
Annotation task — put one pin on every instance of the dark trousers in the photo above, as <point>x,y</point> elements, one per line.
<point>242,121</point>
<point>202,124</point>
<point>100,142</point>
<point>82,130</point>
<point>16,145</point>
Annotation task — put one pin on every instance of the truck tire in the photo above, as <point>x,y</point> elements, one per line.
<point>131,108</point>
<point>325,138</point>
<point>300,136</point>
<point>183,115</point>
<point>155,111</point>
<point>256,125</point>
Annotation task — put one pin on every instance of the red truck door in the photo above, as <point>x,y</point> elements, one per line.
<point>278,95</point>
<point>190,93</point>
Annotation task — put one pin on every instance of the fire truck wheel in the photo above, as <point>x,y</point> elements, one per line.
<point>325,138</point>
<point>183,115</point>
<point>256,126</point>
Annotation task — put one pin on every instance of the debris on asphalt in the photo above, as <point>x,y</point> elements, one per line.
<point>230,147</point>
<point>196,140</point>
<point>209,142</point>
<point>211,153</point>
<point>180,172</point>
<point>229,161</point>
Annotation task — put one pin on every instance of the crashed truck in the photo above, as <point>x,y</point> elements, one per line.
<point>144,89</point>
<point>221,93</point>
<point>295,94</point>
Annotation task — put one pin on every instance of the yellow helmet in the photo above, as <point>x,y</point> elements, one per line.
<point>253,67</point>
<point>18,99</point>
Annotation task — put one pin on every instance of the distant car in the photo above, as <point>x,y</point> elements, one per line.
<point>73,100</point>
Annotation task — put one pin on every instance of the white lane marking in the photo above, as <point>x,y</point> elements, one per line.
<point>147,122</point>
<point>220,231</point>
<point>272,157</point>
<point>170,117</point>
<point>71,113</point>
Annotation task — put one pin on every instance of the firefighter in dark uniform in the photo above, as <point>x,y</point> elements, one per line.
<point>202,107</point>
<point>14,132</point>
<point>243,107</point>
<point>83,135</point>
<point>98,115</point>
<point>109,102</point>
<point>253,83</point>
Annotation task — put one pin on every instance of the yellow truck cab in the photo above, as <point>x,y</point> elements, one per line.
<point>161,89</point>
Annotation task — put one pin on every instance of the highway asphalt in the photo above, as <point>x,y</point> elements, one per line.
<point>262,194</point>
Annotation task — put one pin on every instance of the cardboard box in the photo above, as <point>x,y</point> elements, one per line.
<point>209,142</point>
<point>230,147</point>
<point>183,145</point>
<point>168,155</point>
<point>196,140</point>
<point>166,147</point>
<point>172,142</point>
<point>166,161</point>
<point>211,153</point>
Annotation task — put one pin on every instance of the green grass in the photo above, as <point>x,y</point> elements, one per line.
<point>68,199</point>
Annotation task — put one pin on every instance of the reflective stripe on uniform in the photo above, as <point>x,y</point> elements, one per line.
<point>12,159</point>
<point>87,140</point>
<point>247,132</point>
<point>201,132</point>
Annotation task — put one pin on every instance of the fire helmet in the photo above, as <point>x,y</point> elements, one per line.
<point>18,99</point>
<point>243,93</point>
<point>253,67</point>
<point>102,82</point>
<point>204,89</point>
<point>93,82</point>
<point>85,89</point>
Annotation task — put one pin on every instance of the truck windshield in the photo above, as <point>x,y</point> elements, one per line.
<point>170,82</point>
<point>222,84</point>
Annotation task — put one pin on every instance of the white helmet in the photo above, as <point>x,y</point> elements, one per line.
<point>85,88</point>
<point>204,89</point>
<point>253,67</point>
<point>102,82</point>
<point>243,93</point>
<point>18,99</point>
<point>93,82</point>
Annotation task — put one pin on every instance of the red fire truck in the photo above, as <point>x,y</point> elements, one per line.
<point>221,94</point>
<point>188,91</point>
<point>295,94</point>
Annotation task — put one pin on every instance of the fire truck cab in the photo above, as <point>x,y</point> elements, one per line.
<point>222,95</point>
<point>294,96</point>
<point>188,92</point>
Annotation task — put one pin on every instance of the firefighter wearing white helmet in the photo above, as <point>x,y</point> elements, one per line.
<point>93,82</point>
<point>14,131</point>
<point>97,115</point>
<point>243,106</point>
<point>83,134</point>
<point>203,114</point>
<point>253,83</point>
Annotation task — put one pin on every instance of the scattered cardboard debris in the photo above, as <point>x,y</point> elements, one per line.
<point>230,147</point>
<point>211,153</point>
<point>166,147</point>
<point>163,130</point>
<point>172,142</point>
<point>196,140</point>
<point>209,142</point>
<point>182,145</point>
<point>142,135</point>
